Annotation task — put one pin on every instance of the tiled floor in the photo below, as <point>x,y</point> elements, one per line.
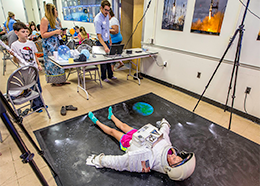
<point>14,173</point>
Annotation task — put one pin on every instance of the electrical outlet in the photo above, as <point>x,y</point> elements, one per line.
<point>199,74</point>
<point>248,89</point>
<point>165,63</point>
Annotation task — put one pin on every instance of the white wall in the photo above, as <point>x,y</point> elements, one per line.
<point>2,15</point>
<point>36,12</point>
<point>15,6</point>
<point>188,53</point>
<point>42,8</point>
<point>29,10</point>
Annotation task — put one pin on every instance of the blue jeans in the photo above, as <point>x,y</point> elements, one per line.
<point>105,67</point>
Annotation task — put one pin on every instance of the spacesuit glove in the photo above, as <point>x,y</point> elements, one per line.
<point>95,160</point>
<point>160,123</point>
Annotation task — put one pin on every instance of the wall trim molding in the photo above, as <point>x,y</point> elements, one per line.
<point>226,61</point>
<point>210,101</point>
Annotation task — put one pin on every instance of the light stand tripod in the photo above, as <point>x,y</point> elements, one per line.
<point>236,64</point>
<point>27,156</point>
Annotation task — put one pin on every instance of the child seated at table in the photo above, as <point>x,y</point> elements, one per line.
<point>82,34</point>
<point>76,33</point>
<point>64,37</point>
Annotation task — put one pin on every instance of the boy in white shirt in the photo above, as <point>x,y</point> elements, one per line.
<point>26,49</point>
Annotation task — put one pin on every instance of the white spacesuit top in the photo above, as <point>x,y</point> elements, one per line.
<point>137,152</point>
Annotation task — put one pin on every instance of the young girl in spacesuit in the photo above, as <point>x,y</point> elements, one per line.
<point>148,148</point>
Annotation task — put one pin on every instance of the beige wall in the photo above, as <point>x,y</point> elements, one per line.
<point>137,15</point>
<point>126,21</point>
<point>131,13</point>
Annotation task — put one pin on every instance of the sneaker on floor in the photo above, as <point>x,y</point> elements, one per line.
<point>114,77</point>
<point>106,80</point>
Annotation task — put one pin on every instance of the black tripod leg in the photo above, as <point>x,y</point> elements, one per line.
<point>41,153</point>
<point>19,121</point>
<point>26,155</point>
<point>239,45</point>
<point>233,98</point>
<point>230,85</point>
<point>229,45</point>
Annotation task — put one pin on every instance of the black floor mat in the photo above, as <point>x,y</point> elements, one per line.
<point>223,157</point>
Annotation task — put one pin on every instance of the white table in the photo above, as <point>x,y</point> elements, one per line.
<point>96,59</point>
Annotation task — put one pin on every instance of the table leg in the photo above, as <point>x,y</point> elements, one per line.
<point>1,139</point>
<point>136,76</point>
<point>83,82</point>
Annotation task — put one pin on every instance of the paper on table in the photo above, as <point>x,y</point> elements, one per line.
<point>98,50</point>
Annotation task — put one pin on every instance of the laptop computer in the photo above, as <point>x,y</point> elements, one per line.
<point>116,49</point>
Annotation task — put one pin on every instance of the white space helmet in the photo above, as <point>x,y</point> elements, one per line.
<point>184,169</point>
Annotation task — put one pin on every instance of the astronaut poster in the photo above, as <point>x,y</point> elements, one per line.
<point>174,13</point>
<point>208,16</point>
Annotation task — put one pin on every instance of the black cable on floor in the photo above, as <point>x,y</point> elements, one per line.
<point>245,103</point>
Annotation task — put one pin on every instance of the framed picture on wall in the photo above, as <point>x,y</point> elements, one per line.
<point>258,37</point>
<point>174,13</point>
<point>208,16</point>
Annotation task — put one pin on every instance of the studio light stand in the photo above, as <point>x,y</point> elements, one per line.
<point>236,64</point>
<point>27,156</point>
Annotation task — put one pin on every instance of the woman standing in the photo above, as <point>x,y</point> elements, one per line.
<point>9,22</point>
<point>82,34</point>
<point>50,29</point>
<point>114,29</point>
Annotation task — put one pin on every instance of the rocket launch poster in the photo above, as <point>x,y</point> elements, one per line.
<point>208,16</point>
<point>174,13</point>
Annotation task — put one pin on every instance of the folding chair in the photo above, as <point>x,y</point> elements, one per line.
<point>71,44</point>
<point>89,42</point>
<point>89,69</point>
<point>22,79</point>
<point>84,46</point>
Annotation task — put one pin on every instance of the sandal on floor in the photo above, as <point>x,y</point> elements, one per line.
<point>64,83</point>
<point>56,84</point>
<point>25,112</point>
<point>121,65</point>
<point>70,107</point>
<point>63,111</point>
